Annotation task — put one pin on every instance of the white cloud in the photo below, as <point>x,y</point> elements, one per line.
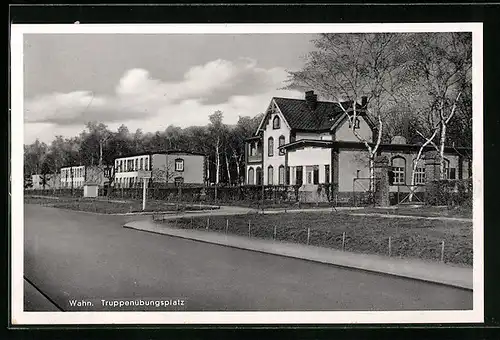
<point>140,101</point>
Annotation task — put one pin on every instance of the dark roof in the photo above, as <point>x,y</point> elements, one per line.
<point>299,115</point>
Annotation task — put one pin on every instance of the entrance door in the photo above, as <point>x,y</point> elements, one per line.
<point>309,175</point>
<point>298,175</point>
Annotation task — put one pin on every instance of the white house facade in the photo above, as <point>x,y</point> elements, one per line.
<point>307,142</point>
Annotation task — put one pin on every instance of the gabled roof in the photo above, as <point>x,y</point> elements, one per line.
<point>300,116</point>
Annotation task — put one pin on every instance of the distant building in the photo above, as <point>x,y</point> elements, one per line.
<point>77,176</point>
<point>308,142</point>
<point>169,167</point>
<point>52,181</point>
<point>36,181</point>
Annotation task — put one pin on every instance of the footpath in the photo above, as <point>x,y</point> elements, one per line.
<point>435,272</point>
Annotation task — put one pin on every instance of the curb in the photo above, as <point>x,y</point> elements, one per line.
<point>344,266</point>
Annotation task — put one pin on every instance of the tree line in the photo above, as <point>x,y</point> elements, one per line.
<point>98,146</point>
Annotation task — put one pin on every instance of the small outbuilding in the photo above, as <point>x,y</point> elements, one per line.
<point>90,190</point>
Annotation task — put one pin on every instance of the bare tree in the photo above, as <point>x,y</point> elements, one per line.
<point>162,175</point>
<point>440,68</point>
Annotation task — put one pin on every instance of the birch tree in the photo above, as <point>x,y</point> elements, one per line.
<point>440,68</point>
<point>216,129</point>
<point>347,67</point>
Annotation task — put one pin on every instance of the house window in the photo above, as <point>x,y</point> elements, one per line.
<point>287,175</point>
<point>281,141</point>
<point>327,173</point>
<point>270,147</point>
<point>419,175</point>
<point>281,175</point>
<point>270,174</point>
<point>141,164</point>
<point>136,164</point>
<point>179,164</point>
<point>399,175</point>
<point>146,163</point>
<point>276,122</point>
<point>452,173</point>
<point>356,123</point>
<point>258,176</point>
<point>250,176</point>
<point>398,168</point>
<point>447,170</point>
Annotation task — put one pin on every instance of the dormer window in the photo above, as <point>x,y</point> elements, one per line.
<point>356,123</point>
<point>276,122</point>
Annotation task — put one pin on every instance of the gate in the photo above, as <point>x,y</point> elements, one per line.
<point>411,195</point>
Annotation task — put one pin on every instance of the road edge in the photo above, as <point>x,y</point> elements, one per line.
<point>332,263</point>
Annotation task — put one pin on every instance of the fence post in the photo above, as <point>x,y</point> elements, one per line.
<point>390,250</point>
<point>227,225</point>
<point>343,241</point>
<point>308,235</point>
<point>274,235</point>
<point>442,251</point>
<point>249,233</point>
<point>208,222</point>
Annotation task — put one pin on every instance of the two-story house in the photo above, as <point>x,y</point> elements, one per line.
<point>168,167</point>
<point>310,142</point>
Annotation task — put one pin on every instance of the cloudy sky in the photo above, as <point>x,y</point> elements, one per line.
<point>151,81</point>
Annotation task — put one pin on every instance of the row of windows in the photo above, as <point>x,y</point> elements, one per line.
<point>135,182</point>
<point>312,175</point>
<point>270,146</point>
<point>76,184</point>
<point>68,173</point>
<point>142,164</point>
<point>129,182</point>
<point>125,165</point>
<point>398,165</point>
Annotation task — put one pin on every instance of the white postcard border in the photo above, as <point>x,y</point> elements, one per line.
<point>19,317</point>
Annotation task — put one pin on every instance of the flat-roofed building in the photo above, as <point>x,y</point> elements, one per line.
<point>167,167</point>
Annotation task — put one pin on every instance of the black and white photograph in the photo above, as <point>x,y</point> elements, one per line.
<point>271,173</point>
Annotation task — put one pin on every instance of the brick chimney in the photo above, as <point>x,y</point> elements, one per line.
<point>311,99</point>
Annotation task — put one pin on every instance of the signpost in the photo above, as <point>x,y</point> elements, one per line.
<point>145,175</point>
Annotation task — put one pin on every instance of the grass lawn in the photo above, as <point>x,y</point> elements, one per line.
<point>410,238</point>
<point>429,211</point>
<point>111,206</point>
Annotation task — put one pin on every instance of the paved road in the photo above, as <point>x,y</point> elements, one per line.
<point>71,255</point>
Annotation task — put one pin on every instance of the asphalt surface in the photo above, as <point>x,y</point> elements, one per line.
<point>74,256</point>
